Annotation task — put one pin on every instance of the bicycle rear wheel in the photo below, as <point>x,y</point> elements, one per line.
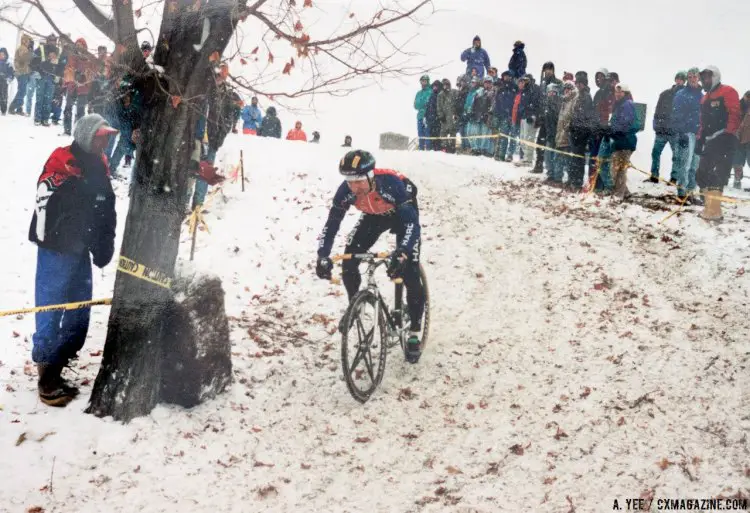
<point>365,338</point>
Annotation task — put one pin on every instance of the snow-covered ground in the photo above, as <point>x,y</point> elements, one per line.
<point>580,352</point>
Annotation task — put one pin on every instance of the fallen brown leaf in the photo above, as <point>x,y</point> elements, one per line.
<point>21,439</point>
<point>362,440</point>
<point>664,464</point>
<point>517,449</point>
<point>453,470</point>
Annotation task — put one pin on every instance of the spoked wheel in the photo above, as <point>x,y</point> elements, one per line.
<point>363,345</point>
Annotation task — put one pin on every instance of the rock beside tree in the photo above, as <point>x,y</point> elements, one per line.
<point>196,355</point>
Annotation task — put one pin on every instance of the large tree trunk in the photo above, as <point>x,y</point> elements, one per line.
<point>129,380</point>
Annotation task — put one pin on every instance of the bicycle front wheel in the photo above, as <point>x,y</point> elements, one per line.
<point>363,345</point>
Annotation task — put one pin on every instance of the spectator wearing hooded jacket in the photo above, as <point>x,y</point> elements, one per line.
<point>663,127</point>
<point>550,120</point>
<point>479,120</point>
<point>271,125</point>
<point>251,118</point>
<point>717,139</point>
<point>6,75</point>
<point>446,102</point>
<point>503,112</point>
<point>548,78</point>
<point>526,111</point>
<point>742,155</point>
<point>685,121</point>
<point>45,63</point>
<point>622,136</point>
<point>77,78</point>
<point>476,58</point>
<point>582,126</point>
<point>420,105</point>
<point>604,100</point>
<point>296,133</point>
<point>463,88</point>
<point>601,167</point>
<point>22,62</point>
<point>563,163</point>
<point>73,221</point>
<point>432,118</point>
<point>517,63</point>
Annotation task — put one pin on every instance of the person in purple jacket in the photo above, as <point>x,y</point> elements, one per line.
<point>476,58</point>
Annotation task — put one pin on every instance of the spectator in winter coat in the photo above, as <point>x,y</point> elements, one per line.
<point>77,78</point>
<point>664,130</point>
<point>685,121</point>
<point>742,155</point>
<point>517,63</point>
<point>604,100</point>
<point>74,218</point>
<point>45,63</point>
<point>128,110</point>
<point>347,142</point>
<point>474,89</point>
<point>100,87</point>
<point>431,116</point>
<point>22,62</point>
<point>582,126</point>
<point>599,145</point>
<point>525,116</point>
<point>476,58</point>
<point>420,105</point>
<point>503,113</point>
<point>479,120</point>
<point>463,88</point>
<point>218,117</point>
<point>271,125</point>
<point>717,139</point>
<point>622,134</point>
<point>6,75</point>
<point>550,119</point>
<point>563,163</point>
<point>296,134</point>
<point>548,78</point>
<point>446,116</point>
<point>251,118</point>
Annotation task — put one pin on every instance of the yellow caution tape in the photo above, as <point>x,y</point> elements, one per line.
<point>64,306</point>
<point>142,272</point>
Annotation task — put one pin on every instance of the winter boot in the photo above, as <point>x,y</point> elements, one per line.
<point>413,349</point>
<point>712,207</point>
<point>53,391</point>
<point>651,179</point>
<point>538,167</point>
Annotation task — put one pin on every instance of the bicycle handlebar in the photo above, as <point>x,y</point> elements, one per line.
<point>365,257</point>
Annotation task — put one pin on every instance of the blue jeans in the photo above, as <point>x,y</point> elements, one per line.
<point>61,278</point>
<point>605,152</point>
<point>503,127</point>
<point>515,133</point>
<point>45,88</point>
<point>201,187</point>
<point>686,164</point>
<point>124,147</point>
<point>423,131</point>
<point>31,90</point>
<point>660,143</point>
<point>17,103</point>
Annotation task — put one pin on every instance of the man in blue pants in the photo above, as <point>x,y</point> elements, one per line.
<point>73,222</point>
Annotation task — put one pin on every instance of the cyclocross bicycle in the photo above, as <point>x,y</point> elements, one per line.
<point>371,327</point>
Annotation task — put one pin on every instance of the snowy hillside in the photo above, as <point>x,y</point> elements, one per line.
<point>580,352</point>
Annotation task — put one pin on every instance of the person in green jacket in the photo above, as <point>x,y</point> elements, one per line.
<point>420,104</point>
<point>446,105</point>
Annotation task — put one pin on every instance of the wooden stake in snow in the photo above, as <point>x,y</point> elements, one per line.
<point>242,171</point>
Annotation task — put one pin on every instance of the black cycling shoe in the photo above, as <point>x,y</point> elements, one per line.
<point>413,349</point>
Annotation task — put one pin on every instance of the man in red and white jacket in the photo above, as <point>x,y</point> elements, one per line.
<point>73,223</point>
<point>716,140</point>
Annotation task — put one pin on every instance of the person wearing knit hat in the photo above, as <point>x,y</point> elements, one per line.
<point>73,222</point>
<point>420,105</point>
<point>665,133</point>
<point>581,130</point>
<point>476,58</point>
<point>547,80</point>
<point>622,135</point>
<point>517,63</point>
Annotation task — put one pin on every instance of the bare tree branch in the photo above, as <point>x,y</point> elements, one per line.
<point>97,18</point>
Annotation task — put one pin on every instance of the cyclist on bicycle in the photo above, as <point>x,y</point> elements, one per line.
<point>388,202</point>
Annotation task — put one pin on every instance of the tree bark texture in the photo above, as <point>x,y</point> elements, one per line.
<point>129,380</point>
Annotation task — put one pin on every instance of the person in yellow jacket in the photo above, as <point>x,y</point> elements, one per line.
<point>22,61</point>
